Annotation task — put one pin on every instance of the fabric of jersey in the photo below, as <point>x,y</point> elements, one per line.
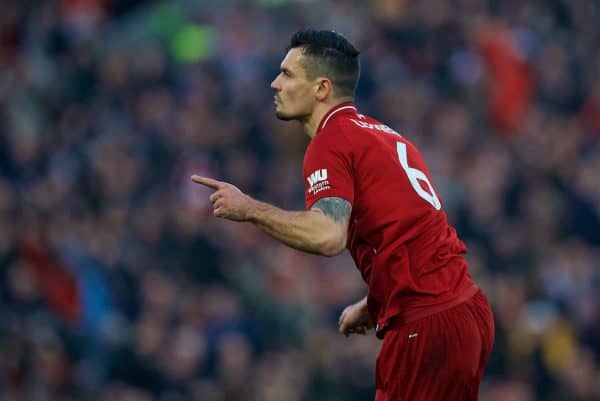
<point>407,253</point>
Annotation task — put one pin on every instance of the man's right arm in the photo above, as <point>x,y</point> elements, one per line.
<point>321,230</point>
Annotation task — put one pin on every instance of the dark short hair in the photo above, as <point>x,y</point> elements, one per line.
<point>329,54</point>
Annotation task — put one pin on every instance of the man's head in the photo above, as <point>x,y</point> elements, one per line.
<point>319,67</point>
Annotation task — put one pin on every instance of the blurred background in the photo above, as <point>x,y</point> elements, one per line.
<point>117,284</point>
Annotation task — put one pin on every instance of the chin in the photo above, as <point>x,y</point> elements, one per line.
<point>284,117</point>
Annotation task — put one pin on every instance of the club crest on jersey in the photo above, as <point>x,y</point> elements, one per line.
<point>318,181</point>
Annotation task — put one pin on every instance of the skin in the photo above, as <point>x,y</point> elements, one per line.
<point>355,319</point>
<point>322,229</point>
<point>299,98</point>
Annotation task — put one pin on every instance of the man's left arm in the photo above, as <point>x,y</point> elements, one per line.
<point>321,230</point>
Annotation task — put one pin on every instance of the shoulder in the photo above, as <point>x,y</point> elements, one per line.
<point>331,143</point>
<point>340,131</point>
<point>335,136</point>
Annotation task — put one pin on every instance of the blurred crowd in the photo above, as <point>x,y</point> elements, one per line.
<point>116,284</point>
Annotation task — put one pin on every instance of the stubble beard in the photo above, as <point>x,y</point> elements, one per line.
<point>285,117</point>
<point>290,117</point>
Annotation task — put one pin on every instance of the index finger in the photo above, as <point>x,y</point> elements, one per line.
<point>209,182</point>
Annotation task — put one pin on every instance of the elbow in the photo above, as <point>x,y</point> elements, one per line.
<point>332,245</point>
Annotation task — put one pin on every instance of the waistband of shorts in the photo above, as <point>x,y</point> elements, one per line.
<point>402,319</point>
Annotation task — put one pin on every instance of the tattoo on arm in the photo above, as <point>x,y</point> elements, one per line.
<point>337,209</point>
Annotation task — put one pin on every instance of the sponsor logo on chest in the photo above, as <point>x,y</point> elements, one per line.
<point>318,181</point>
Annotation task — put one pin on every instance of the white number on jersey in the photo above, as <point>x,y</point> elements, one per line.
<point>414,175</point>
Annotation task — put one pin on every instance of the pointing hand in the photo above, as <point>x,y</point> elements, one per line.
<point>227,200</point>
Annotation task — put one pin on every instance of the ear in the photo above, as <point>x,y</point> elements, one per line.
<point>324,88</point>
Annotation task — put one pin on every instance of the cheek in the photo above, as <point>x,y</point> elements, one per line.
<point>290,91</point>
<point>299,93</point>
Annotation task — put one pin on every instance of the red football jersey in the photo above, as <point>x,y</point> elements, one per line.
<point>406,251</point>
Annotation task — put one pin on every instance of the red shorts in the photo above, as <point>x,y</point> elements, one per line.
<point>439,357</point>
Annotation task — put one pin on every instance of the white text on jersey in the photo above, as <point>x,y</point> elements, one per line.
<point>318,181</point>
<point>378,127</point>
<point>317,176</point>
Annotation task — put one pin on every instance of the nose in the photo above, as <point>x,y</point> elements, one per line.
<point>275,84</point>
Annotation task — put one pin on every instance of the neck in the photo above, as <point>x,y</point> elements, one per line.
<point>311,123</point>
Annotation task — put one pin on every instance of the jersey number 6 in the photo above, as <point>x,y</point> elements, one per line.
<point>414,175</point>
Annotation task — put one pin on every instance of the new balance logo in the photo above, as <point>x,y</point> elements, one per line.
<point>317,176</point>
<point>318,181</point>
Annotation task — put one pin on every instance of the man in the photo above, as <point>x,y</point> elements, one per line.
<point>368,189</point>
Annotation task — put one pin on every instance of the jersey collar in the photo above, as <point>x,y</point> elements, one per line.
<point>338,109</point>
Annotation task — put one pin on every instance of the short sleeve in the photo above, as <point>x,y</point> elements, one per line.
<point>327,169</point>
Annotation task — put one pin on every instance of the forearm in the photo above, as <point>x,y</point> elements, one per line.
<point>321,230</point>
<point>308,231</point>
